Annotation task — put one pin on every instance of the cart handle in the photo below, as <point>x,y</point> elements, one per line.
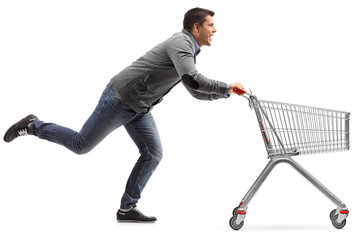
<point>242,93</point>
<point>239,91</point>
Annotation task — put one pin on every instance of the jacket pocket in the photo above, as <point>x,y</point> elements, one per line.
<point>146,86</point>
<point>139,85</point>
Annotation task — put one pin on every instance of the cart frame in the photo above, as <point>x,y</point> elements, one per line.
<point>289,130</point>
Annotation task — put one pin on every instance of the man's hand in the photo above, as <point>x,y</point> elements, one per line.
<point>233,85</point>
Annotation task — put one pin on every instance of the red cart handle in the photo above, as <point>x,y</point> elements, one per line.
<point>238,91</point>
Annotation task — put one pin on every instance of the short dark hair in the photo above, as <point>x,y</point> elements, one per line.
<point>196,15</point>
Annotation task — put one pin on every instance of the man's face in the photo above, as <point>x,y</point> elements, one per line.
<point>204,32</point>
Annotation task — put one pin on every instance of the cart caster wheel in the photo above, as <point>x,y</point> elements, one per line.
<point>332,214</point>
<point>336,224</point>
<point>233,224</point>
<point>235,211</point>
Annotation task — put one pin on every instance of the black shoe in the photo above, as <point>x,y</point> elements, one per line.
<point>134,215</point>
<point>21,128</point>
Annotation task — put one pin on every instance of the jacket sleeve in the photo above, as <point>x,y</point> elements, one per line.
<point>203,96</point>
<point>181,54</point>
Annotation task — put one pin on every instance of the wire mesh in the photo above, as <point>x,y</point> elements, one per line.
<point>296,129</point>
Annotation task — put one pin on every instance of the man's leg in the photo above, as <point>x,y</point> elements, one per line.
<point>110,113</point>
<point>144,133</point>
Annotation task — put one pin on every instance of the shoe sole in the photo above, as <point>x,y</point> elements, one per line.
<point>134,221</point>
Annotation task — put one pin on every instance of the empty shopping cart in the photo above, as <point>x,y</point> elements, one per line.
<point>289,130</point>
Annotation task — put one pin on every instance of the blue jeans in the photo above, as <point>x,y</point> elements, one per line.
<point>111,113</point>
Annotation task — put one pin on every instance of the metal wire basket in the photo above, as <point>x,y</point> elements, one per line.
<point>296,129</point>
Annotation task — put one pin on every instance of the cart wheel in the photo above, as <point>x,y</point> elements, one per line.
<point>332,214</point>
<point>336,224</point>
<point>235,211</point>
<point>233,224</point>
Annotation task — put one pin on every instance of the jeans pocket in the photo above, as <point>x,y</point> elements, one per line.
<point>103,99</point>
<point>119,104</point>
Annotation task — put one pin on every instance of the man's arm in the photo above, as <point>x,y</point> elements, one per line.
<point>201,95</point>
<point>181,54</point>
<point>199,86</point>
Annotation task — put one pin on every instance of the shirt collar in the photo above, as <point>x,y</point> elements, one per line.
<point>197,48</point>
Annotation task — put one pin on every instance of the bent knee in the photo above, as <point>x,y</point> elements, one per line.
<point>82,149</point>
<point>158,156</point>
<point>154,155</point>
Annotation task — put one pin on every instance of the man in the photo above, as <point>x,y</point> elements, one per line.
<point>128,99</point>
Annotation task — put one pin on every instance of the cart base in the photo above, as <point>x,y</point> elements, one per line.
<point>337,216</point>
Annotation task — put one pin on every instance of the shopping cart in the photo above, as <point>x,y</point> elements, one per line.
<point>289,130</point>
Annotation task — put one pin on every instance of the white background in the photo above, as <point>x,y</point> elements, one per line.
<point>56,58</point>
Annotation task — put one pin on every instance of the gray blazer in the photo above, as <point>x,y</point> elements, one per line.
<point>146,81</point>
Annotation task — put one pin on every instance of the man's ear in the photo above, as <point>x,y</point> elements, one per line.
<point>196,27</point>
